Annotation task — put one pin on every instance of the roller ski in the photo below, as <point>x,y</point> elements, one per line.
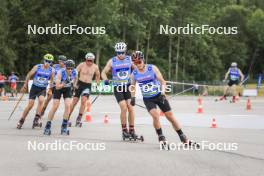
<point>78,122</point>
<point>221,98</point>
<point>164,145</point>
<point>20,123</point>
<point>135,137</point>
<point>36,122</point>
<point>47,130</point>
<point>188,143</point>
<point>64,130</point>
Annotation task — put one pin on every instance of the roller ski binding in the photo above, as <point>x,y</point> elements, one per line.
<point>164,145</point>
<point>20,123</point>
<point>36,123</point>
<point>78,122</point>
<point>187,142</point>
<point>64,130</point>
<point>135,137</point>
<point>47,130</point>
<point>126,135</point>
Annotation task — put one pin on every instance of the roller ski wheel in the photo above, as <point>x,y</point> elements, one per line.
<point>126,135</point>
<point>69,124</point>
<point>164,144</point>
<point>65,131</point>
<point>192,143</point>
<point>47,132</point>
<point>135,137</point>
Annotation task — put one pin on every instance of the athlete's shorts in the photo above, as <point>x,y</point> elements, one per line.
<point>152,102</point>
<point>2,85</point>
<point>122,93</point>
<point>36,91</point>
<point>66,92</point>
<point>13,86</point>
<point>84,89</point>
<point>231,82</point>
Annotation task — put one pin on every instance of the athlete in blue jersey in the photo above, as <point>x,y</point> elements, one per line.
<point>63,88</point>
<point>121,66</point>
<point>57,67</point>
<point>234,76</point>
<point>153,88</point>
<point>13,83</point>
<point>42,77</point>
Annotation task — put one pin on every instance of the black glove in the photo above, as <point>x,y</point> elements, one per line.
<point>133,101</point>
<point>162,98</point>
<point>106,82</point>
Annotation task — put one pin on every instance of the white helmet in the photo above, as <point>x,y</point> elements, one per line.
<point>89,56</point>
<point>233,64</point>
<point>120,47</point>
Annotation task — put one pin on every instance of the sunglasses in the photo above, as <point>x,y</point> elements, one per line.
<point>137,62</point>
<point>69,68</point>
<point>48,62</point>
<point>89,60</point>
<point>120,53</point>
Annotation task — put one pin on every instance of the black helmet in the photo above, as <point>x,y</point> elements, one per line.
<point>62,58</point>
<point>69,64</point>
<point>137,55</point>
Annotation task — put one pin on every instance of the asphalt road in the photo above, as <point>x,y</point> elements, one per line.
<point>97,148</point>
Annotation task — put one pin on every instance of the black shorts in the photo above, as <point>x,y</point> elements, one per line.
<point>36,91</point>
<point>122,93</point>
<point>84,89</point>
<point>231,82</point>
<point>66,92</point>
<point>151,103</point>
<point>2,85</point>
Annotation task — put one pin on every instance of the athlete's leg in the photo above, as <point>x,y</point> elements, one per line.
<point>28,108</point>
<point>73,104</point>
<point>41,99</point>
<point>55,105</point>
<point>46,103</point>
<point>131,116</point>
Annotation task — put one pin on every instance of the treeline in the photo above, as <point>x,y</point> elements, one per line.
<point>137,22</point>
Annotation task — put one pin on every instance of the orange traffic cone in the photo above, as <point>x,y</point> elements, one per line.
<point>200,106</point>
<point>162,113</point>
<point>248,106</point>
<point>88,117</point>
<point>213,123</point>
<point>106,119</point>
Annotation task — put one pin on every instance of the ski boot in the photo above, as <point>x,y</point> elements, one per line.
<point>188,142</point>
<point>36,122</point>
<point>47,130</point>
<point>135,137</point>
<point>164,145</point>
<point>64,130</point>
<point>20,123</point>
<point>78,122</point>
<point>233,100</point>
<point>221,98</point>
<point>126,135</point>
